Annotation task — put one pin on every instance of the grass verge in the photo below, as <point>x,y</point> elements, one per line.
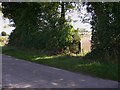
<point>71,63</point>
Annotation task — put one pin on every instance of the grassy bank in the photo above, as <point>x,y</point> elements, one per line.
<point>71,63</point>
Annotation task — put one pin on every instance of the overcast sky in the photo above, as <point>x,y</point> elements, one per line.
<point>76,16</point>
<point>4,23</point>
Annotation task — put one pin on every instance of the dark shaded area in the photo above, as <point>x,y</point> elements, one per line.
<point>105,30</point>
<point>3,33</point>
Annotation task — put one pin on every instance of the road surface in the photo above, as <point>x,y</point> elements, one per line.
<point>23,74</point>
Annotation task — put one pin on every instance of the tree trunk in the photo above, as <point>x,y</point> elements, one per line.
<point>63,10</point>
<point>79,46</point>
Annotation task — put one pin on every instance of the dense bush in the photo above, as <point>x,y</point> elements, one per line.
<point>43,28</point>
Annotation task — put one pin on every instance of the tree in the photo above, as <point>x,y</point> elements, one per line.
<point>38,25</point>
<point>105,29</point>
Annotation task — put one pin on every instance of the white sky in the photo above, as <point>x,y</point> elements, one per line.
<point>73,15</point>
<point>4,23</point>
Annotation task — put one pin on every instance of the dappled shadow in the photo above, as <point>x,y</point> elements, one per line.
<point>56,57</point>
<point>68,62</point>
<point>44,83</point>
<point>22,74</point>
<point>60,61</point>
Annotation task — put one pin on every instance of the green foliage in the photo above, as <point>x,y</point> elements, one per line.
<point>75,47</point>
<point>105,29</point>
<point>39,25</point>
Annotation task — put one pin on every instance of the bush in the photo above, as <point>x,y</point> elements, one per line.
<point>3,33</point>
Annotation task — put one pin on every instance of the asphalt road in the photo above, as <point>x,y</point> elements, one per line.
<point>18,73</point>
